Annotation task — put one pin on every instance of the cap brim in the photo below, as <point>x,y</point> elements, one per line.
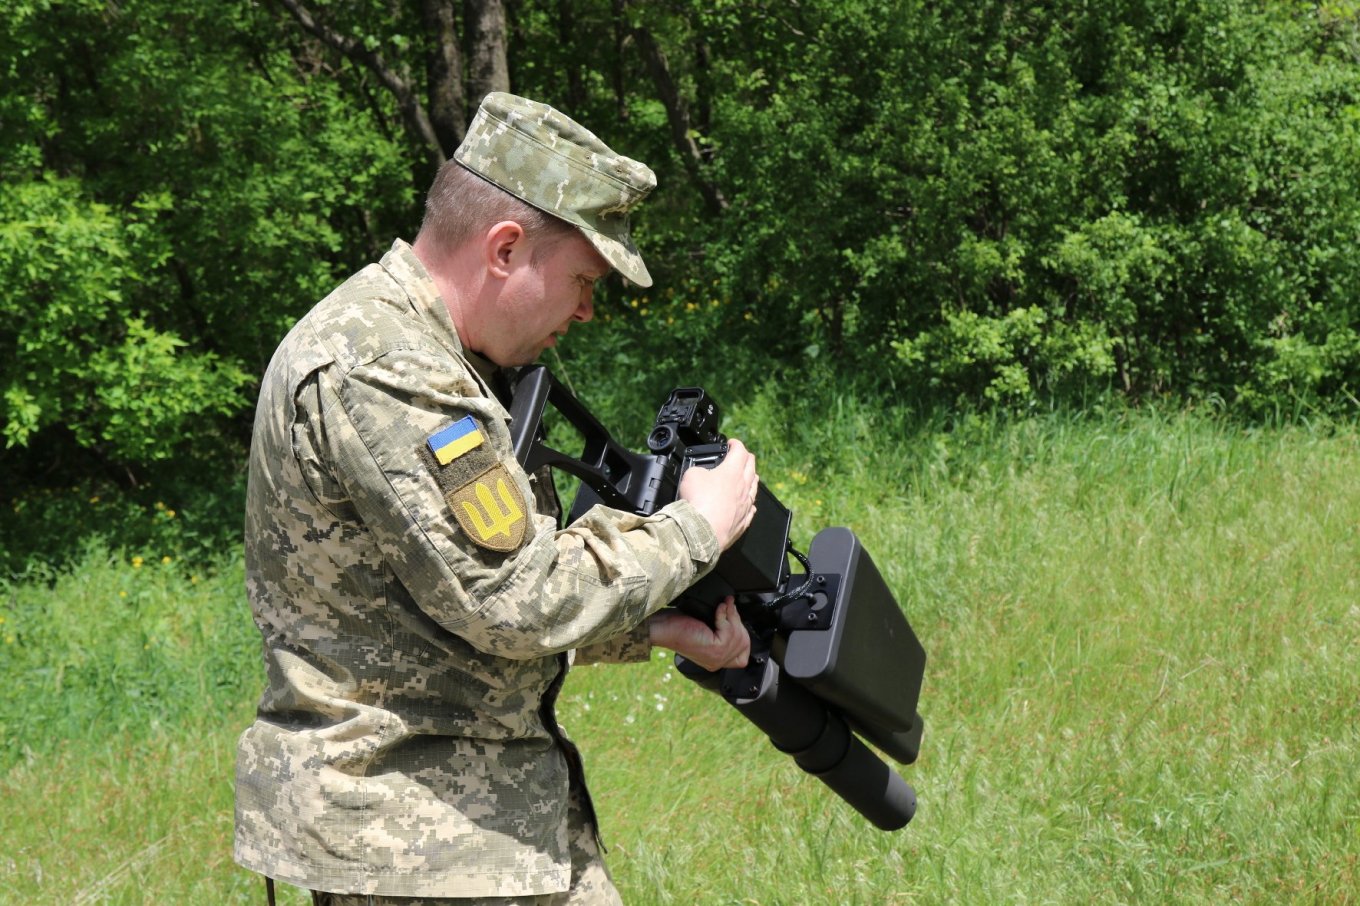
<point>623,255</point>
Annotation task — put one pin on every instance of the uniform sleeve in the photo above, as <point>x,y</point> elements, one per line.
<point>493,570</point>
<point>631,647</point>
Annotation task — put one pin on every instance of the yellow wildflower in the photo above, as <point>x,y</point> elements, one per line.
<point>137,562</point>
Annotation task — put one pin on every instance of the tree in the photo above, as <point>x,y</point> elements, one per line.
<point>177,186</point>
<point>989,202</point>
<point>435,115</point>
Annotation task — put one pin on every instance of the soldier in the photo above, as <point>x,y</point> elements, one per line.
<point>418,601</point>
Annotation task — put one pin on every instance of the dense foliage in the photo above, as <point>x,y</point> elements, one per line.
<point>178,187</point>
<point>1010,200</point>
<point>994,203</point>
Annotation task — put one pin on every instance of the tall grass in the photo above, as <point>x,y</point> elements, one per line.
<point>120,643</point>
<point>1143,686</point>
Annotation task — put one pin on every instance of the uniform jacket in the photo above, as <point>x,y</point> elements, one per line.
<point>416,600</point>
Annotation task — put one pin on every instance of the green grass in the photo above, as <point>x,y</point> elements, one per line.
<point>1143,686</point>
<point>121,643</point>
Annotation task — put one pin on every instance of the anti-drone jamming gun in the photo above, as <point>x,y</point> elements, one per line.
<point>833,658</point>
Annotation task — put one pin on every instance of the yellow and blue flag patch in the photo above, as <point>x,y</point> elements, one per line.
<point>455,440</point>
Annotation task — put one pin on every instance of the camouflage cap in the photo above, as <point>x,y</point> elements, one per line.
<point>557,165</point>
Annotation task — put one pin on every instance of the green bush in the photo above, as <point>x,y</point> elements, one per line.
<point>191,518</point>
<point>174,191</point>
<point>1008,202</point>
<point>80,361</point>
<point>995,204</point>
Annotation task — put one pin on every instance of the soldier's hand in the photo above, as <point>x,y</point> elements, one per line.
<point>726,494</point>
<point>726,645</point>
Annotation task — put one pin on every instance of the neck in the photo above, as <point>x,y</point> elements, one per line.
<point>452,280</point>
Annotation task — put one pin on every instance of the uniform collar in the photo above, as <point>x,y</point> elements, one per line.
<point>405,268</point>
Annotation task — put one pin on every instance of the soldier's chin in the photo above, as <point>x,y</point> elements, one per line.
<point>524,355</point>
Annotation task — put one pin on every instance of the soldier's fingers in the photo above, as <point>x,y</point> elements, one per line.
<point>737,629</point>
<point>738,649</point>
<point>724,616</point>
<point>727,619</point>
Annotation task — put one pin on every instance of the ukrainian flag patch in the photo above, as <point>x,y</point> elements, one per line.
<point>458,438</point>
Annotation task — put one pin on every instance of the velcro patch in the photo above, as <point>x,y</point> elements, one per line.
<point>490,509</point>
<point>457,454</point>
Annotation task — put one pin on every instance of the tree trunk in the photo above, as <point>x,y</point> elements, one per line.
<point>395,79</point>
<point>487,67</point>
<point>677,114</point>
<point>566,33</point>
<point>703,92</point>
<point>620,41</point>
<point>444,74</point>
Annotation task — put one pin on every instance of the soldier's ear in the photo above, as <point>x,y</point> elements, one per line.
<point>503,248</point>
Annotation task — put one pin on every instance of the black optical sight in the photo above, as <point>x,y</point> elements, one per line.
<point>833,660</point>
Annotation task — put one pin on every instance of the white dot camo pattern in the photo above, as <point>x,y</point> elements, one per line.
<point>549,160</point>
<point>405,744</point>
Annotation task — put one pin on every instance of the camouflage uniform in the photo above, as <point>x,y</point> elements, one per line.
<point>417,602</point>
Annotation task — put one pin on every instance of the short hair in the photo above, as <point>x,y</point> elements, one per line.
<point>462,205</point>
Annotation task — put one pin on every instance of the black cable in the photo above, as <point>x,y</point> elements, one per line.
<point>789,597</point>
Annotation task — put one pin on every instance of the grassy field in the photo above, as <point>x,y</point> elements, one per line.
<point>1144,685</point>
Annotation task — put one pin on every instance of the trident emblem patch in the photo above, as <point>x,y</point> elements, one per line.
<point>490,510</point>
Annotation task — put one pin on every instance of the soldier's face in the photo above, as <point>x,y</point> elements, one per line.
<point>543,299</point>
